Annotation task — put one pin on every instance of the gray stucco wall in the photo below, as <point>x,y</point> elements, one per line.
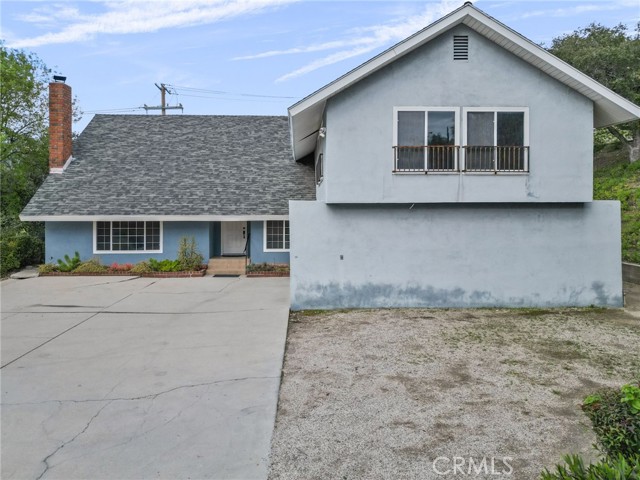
<point>68,237</point>
<point>359,157</point>
<point>455,255</point>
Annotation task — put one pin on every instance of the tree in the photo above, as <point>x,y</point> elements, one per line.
<point>24,153</point>
<point>612,57</point>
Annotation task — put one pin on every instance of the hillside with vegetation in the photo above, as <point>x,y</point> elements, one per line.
<point>612,57</point>
<point>614,178</point>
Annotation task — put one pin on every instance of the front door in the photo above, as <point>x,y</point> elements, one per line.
<point>234,238</point>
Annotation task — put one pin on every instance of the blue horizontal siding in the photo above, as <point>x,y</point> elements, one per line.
<point>65,238</point>
<point>258,255</point>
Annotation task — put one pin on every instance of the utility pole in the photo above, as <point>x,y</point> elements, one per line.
<point>163,91</point>
<point>163,104</point>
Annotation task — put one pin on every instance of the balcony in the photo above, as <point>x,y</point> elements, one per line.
<point>460,159</point>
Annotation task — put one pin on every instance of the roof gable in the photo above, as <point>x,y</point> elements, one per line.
<point>609,108</point>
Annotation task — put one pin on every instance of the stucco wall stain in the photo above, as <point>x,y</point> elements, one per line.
<point>530,192</point>
<point>347,295</point>
<point>374,295</point>
<point>603,298</point>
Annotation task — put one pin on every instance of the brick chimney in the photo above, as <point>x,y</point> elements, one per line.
<point>60,121</point>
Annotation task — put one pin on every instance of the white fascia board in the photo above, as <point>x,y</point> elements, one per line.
<point>161,218</point>
<point>595,90</point>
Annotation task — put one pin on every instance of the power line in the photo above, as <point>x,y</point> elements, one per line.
<point>233,99</point>
<point>221,92</point>
<point>212,94</point>
<point>128,109</point>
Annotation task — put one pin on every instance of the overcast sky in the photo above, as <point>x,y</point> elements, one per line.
<point>245,56</point>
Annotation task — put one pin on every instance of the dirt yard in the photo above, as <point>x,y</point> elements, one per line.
<point>385,393</point>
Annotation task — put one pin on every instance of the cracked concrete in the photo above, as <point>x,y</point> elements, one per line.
<point>176,378</point>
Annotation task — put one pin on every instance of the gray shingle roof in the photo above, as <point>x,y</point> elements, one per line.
<point>177,165</point>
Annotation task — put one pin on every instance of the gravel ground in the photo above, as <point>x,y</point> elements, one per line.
<point>385,393</point>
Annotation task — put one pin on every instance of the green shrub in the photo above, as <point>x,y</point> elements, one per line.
<point>19,247</point>
<point>165,265</point>
<point>615,420</point>
<point>47,268</point>
<point>631,396</point>
<point>188,255</point>
<point>69,264</point>
<point>140,268</point>
<point>267,267</point>
<point>91,266</point>
<point>607,469</point>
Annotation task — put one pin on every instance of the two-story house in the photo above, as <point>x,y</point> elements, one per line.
<point>455,169</point>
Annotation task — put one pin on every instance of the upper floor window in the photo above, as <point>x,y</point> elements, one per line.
<point>426,139</point>
<point>127,237</point>
<point>494,140</point>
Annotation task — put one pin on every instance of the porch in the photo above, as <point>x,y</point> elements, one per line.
<point>223,266</point>
<point>235,244</point>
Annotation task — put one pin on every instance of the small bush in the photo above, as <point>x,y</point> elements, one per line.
<point>165,265</point>
<point>47,268</point>
<point>140,268</point>
<point>121,267</point>
<point>69,264</point>
<point>91,266</point>
<point>267,267</point>
<point>607,469</point>
<point>188,255</point>
<point>615,420</point>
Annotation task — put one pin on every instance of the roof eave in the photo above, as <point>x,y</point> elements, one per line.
<point>163,218</point>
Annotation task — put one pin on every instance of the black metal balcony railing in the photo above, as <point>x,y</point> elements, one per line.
<point>426,158</point>
<point>447,159</point>
<point>496,159</point>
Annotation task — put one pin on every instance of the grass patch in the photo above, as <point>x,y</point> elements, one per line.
<point>310,313</point>
<point>536,312</point>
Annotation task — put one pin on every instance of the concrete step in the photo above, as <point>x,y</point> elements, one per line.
<point>227,266</point>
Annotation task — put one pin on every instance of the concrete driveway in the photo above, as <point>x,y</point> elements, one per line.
<point>123,378</point>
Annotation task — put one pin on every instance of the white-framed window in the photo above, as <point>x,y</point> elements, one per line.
<point>496,139</point>
<point>276,235</point>
<point>127,237</point>
<point>426,139</point>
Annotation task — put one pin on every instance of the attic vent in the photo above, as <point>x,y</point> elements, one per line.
<point>460,47</point>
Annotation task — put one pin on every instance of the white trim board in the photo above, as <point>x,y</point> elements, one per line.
<point>161,218</point>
